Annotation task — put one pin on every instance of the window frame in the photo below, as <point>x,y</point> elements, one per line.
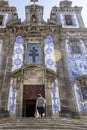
<point>73,50</point>
<point>74,19</point>
<point>39,62</point>
<point>68,17</point>
<point>82,84</point>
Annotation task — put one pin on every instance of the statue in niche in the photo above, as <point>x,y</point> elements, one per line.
<point>68,20</point>
<point>1,19</point>
<point>34,18</point>
<point>53,17</point>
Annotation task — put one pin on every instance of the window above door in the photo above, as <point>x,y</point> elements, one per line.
<point>33,53</point>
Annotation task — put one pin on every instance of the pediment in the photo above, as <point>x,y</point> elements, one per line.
<point>30,69</point>
<point>34,6</point>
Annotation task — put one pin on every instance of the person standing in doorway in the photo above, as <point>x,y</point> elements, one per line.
<point>40,105</point>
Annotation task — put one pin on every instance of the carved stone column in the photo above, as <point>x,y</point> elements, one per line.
<point>48,90</point>
<point>19,100</point>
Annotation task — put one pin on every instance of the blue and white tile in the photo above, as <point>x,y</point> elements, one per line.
<point>17,63</point>
<point>55,98</point>
<point>49,54</point>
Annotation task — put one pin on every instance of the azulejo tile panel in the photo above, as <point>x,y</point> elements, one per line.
<point>55,98</point>
<point>77,66</point>
<point>49,54</point>
<point>18,53</point>
<point>17,63</point>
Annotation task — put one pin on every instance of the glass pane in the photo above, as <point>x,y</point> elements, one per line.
<point>84,92</point>
<point>33,55</point>
<point>75,49</point>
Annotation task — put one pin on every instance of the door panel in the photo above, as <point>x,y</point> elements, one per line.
<point>31,91</point>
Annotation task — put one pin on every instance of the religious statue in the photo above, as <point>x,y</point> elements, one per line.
<point>68,20</point>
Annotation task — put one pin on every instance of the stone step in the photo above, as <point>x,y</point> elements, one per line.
<point>43,124</point>
<point>45,120</point>
<point>49,123</point>
<point>42,127</point>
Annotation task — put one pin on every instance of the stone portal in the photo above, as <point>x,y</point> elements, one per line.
<point>30,93</point>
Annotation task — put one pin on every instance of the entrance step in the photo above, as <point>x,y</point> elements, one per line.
<point>43,124</point>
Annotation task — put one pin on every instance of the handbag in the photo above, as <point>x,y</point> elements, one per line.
<point>36,114</point>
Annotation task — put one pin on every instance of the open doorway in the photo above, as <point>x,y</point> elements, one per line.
<point>29,98</point>
<point>29,107</point>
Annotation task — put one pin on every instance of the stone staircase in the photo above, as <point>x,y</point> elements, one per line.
<point>43,124</point>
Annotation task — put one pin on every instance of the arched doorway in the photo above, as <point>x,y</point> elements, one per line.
<point>30,93</point>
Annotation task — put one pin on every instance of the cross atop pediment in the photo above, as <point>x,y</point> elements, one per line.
<point>34,1</point>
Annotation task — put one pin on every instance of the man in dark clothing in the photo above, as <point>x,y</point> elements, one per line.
<point>40,105</point>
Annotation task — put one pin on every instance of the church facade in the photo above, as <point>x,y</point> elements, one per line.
<point>43,57</point>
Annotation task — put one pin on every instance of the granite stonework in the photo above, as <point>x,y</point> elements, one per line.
<point>43,57</point>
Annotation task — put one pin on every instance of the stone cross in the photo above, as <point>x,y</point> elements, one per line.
<point>34,1</point>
